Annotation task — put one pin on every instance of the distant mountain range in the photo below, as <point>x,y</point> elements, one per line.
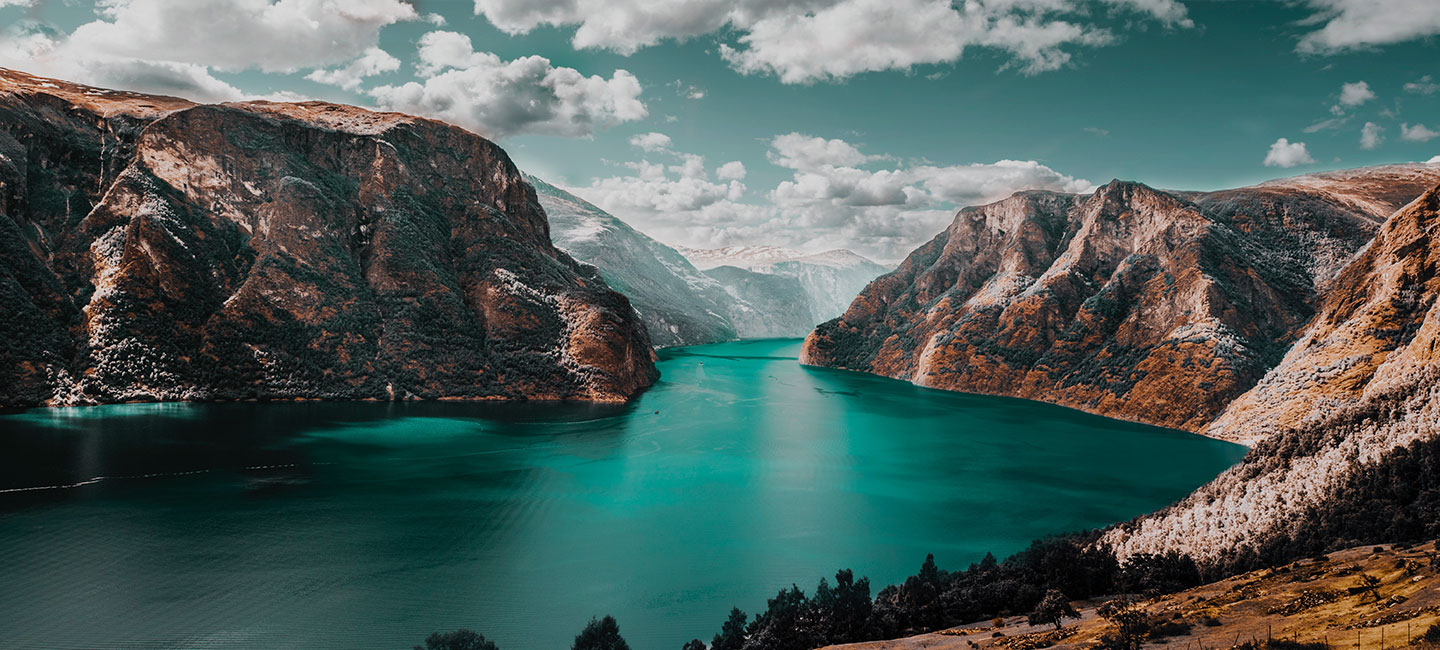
<point>831,278</point>
<point>689,296</point>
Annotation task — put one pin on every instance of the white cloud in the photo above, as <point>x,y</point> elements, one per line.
<point>172,46</point>
<point>650,142</point>
<point>858,36</point>
<point>1284,153</point>
<point>16,3</point>
<point>32,48</point>
<point>804,152</point>
<point>802,41</point>
<point>374,61</point>
<point>1355,24</point>
<point>1371,135</point>
<point>688,91</point>
<point>1417,133</point>
<point>659,189</point>
<point>1355,94</point>
<point>275,36</point>
<point>1433,161</point>
<point>831,201</point>
<point>1328,124</point>
<point>731,171</point>
<point>498,98</point>
<point>1423,86</point>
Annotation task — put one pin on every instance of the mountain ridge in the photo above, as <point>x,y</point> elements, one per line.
<point>1135,303</point>
<point>160,249</point>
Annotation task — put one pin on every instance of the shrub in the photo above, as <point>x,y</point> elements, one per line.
<point>461,639</point>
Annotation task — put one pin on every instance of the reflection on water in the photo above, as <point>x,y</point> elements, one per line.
<point>369,525</point>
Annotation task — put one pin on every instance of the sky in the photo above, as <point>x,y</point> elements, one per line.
<point>811,124</point>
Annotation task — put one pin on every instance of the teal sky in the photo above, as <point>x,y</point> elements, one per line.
<point>1194,103</point>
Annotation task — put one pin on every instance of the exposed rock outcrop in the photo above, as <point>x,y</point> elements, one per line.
<point>160,250</point>
<point>1159,307</point>
<point>1341,421</point>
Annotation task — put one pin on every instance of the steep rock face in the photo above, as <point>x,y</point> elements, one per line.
<point>1357,397</point>
<point>830,279</point>
<point>679,304</point>
<point>157,249</point>
<point>1133,303</point>
<point>763,305</point>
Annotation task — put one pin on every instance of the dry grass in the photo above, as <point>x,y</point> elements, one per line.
<point>1310,601</point>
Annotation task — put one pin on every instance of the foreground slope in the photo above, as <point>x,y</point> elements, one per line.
<point>1348,423</point>
<point>1313,600</point>
<point>1134,303</point>
<point>158,249</point>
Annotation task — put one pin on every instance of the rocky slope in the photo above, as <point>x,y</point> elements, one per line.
<point>831,279</point>
<point>1348,423</point>
<point>1160,307</point>
<point>679,304</point>
<point>161,250</point>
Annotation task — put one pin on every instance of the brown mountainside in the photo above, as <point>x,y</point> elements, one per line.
<point>158,249</point>
<point>1347,424</point>
<point>1135,303</point>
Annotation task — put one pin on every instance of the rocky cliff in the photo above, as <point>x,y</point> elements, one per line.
<point>161,250</point>
<point>1154,306</point>
<point>1348,424</point>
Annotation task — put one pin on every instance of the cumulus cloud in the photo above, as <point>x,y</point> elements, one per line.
<point>1355,94</point>
<point>480,91</point>
<point>275,36</point>
<point>802,41</point>
<point>731,171</point>
<point>1417,133</point>
<point>650,142</point>
<point>1371,135</point>
<point>1284,153</point>
<point>1423,86</point>
<point>804,152</point>
<point>837,196</point>
<point>657,188</point>
<point>173,46</point>
<point>1355,24</point>
<point>374,61</point>
<point>1433,161</point>
<point>32,47</point>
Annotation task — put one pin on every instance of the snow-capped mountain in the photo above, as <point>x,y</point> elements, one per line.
<point>831,279</point>
<point>678,303</point>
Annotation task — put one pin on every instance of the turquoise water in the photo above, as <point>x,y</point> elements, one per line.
<point>369,525</point>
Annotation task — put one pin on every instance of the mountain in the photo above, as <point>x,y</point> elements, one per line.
<point>1135,303</point>
<point>1348,423</point>
<point>831,279</point>
<point>156,249</point>
<point>764,305</point>
<point>678,304</point>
